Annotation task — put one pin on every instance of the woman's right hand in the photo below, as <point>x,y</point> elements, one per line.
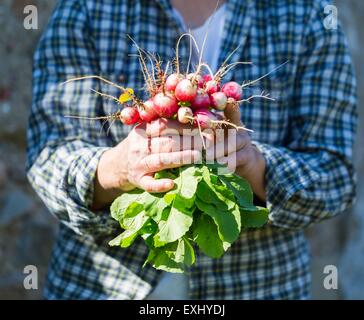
<point>149,148</point>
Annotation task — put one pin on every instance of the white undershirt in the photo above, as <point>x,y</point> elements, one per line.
<point>213,41</point>
<point>175,286</point>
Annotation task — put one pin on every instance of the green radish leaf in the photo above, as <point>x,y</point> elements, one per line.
<point>181,251</point>
<point>148,229</point>
<point>189,179</point>
<point>206,236</point>
<point>154,204</point>
<point>185,185</point>
<point>121,203</point>
<point>205,208</point>
<point>205,194</point>
<point>254,219</point>
<point>165,174</point>
<point>228,222</point>
<point>159,259</point>
<point>175,224</point>
<point>241,189</point>
<point>126,238</point>
<point>184,104</point>
<point>220,192</point>
<point>129,220</point>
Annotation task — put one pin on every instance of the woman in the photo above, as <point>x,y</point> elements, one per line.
<point>298,161</point>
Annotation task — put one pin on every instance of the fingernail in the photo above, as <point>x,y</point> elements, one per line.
<point>168,184</point>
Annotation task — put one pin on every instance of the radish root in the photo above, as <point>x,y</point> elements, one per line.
<point>263,95</point>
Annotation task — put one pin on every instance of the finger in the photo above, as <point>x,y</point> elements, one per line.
<point>161,161</point>
<point>230,161</point>
<point>231,142</point>
<point>149,184</point>
<point>236,159</point>
<point>165,144</point>
<point>164,126</point>
<point>232,113</point>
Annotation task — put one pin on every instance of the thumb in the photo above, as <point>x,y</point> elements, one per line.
<point>232,113</point>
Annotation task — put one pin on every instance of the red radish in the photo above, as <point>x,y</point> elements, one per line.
<point>172,81</point>
<point>166,105</point>
<point>233,90</point>
<point>147,112</point>
<point>129,116</point>
<point>205,118</point>
<point>185,90</point>
<point>218,100</point>
<point>198,79</point>
<point>206,78</point>
<point>185,115</point>
<point>212,86</point>
<point>202,100</point>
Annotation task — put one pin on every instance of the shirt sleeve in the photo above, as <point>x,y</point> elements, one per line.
<point>312,177</point>
<point>63,153</point>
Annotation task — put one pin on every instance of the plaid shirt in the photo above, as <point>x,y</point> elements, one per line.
<point>306,137</point>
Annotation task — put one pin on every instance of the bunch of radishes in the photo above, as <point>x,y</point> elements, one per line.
<point>193,99</point>
<point>190,98</point>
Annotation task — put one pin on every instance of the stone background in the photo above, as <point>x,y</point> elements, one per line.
<point>27,230</point>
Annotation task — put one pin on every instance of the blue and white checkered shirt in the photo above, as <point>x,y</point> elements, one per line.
<point>306,137</point>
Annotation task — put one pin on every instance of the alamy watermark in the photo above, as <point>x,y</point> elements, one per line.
<point>331,19</point>
<point>31,17</point>
<point>330,281</point>
<point>30,12</point>
<point>30,281</point>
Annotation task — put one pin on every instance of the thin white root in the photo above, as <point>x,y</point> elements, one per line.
<point>224,70</point>
<point>177,48</point>
<point>147,76</point>
<point>264,76</point>
<point>110,125</point>
<point>89,118</point>
<point>208,69</point>
<point>150,57</point>
<point>190,55</point>
<point>167,68</point>
<point>201,135</point>
<point>94,77</point>
<point>199,130</point>
<point>227,123</point>
<point>229,56</point>
<point>104,95</point>
<point>262,96</point>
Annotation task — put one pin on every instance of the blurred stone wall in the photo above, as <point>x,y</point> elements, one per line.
<point>27,230</point>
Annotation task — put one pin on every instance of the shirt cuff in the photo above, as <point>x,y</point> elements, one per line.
<point>285,176</point>
<point>78,185</point>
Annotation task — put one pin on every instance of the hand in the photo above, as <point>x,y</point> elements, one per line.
<point>235,149</point>
<point>147,149</point>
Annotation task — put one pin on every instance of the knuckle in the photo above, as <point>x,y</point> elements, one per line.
<point>156,162</point>
<point>149,188</point>
<point>164,159</point>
